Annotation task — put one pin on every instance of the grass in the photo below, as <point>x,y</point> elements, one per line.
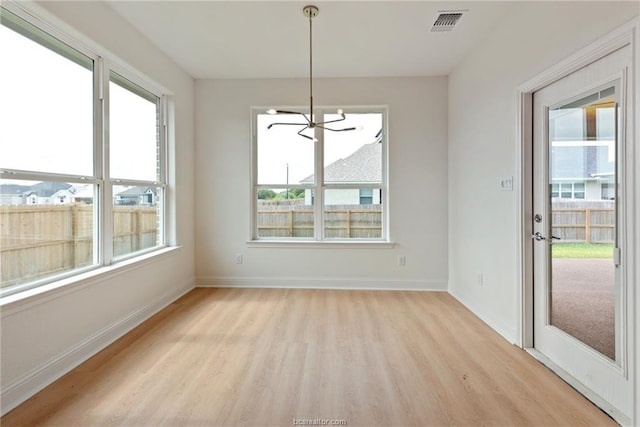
<point>582,250</point>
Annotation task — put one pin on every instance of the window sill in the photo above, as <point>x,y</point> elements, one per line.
<point>38,295</point>
<point>327,244</point>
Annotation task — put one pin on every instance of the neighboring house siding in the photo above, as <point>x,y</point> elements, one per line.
<point>590,164</point>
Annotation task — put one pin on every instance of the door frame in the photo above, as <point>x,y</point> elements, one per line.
<point>628,34</point>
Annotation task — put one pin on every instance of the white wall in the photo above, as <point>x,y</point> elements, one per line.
<point>45,336</point>
<point>482,143</point>
<point>418,186</point>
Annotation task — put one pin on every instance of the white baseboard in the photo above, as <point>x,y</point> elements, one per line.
<point>29,384</point>
<point>508,332</point>
<point>320,283</point>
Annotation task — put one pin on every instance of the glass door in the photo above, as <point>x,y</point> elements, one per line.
<point>580,326</point>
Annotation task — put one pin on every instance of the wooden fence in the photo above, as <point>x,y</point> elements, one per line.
<point>590,221</point>
<point>575,223</point>
<point>345,221</point>
<point>590,225</point>
<point>40,240</point>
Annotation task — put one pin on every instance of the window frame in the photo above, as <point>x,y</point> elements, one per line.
<point>103,201</point>
<point>318,187</point>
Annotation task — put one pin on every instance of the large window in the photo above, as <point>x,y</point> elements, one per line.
<point>81,159</point>
<point>330,186</point>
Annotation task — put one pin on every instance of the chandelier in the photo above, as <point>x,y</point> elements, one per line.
<point>310,12</point>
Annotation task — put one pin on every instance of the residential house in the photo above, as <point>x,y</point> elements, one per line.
<point>42,193</point>
<point>363,166</point>
<point>73,194</point>
<point>136,196</point>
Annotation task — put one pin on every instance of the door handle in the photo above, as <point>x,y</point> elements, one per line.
<point>538,236</point>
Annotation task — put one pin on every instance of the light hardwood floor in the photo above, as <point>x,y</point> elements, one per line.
<point>269,356</point>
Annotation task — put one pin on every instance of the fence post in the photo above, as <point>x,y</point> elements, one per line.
<point>587,225</point>
<point>138,228</point>
<point>349,223</point>
<point>291,223</point>
<point>74,234</point>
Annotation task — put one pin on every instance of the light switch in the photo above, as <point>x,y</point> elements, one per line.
<point>506,184</point>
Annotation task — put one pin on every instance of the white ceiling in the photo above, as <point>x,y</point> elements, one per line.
<point>270,39</point>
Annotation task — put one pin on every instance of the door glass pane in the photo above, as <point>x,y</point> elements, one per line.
<point>582,148</point>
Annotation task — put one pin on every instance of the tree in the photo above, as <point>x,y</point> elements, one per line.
<point>296,193</point>
<point>292,193</point>
<point>265,194</point>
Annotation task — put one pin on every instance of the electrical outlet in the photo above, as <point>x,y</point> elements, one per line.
<point>402,260</point>
<point>238,258</point>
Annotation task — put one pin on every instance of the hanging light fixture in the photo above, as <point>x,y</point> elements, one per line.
<point>310,12</point>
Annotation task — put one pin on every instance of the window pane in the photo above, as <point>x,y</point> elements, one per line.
<point>136,219</point>
<point>46,103</point>
<point>283,156</point>
<point>133,131</point>
<point>567,124</point>
<point>354,156</point>
<point>279,217</point>
<point>46,228</point>
<point>366,196</point>
<point>606,128</point>
<point>347,217</point>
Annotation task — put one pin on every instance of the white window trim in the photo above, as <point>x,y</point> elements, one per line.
<point>319,186</point>
<point>104,62</point>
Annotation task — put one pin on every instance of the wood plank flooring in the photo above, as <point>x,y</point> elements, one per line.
<point>258,357</point>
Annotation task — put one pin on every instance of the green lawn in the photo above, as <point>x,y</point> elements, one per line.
<point>582,250</point>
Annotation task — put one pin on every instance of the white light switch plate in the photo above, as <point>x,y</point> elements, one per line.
<point>506,184</point>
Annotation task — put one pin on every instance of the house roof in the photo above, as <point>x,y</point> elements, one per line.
<point>13,189</point>
<point>46,189</point>
<point>136,191</point>
<point>363,165</point>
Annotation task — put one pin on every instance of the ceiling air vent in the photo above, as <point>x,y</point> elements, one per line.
<point>446,20</point>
